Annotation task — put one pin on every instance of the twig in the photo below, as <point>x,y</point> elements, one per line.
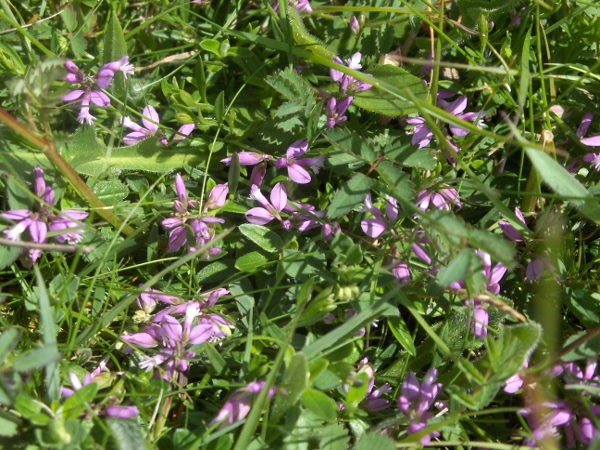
<point>48,247</point>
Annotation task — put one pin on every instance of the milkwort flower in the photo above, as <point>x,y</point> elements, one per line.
<point>375,227</point>
<point>38,222</point>
<point>239,404</point>
<point>416,399</point>
<point>113,411</point>
<point>269,210</point>
<point>421,132</point>
<point>88,93</point>
<point>172,338</point>
<point>443,199</point>
<point>348,84</point>
<point>151,120</point>
<point>295,164</point>
<point>202,226</point>
<point>258,160</point>
<point>335,110</point>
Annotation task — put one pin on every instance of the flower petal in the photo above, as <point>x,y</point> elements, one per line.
<point>298,174</point>
<point>152,124</point>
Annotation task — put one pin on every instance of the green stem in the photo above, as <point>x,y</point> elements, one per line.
<point>82,189</point>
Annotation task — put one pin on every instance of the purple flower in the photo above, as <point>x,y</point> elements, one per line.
<point>37,223</point>
<point>121,65</point>
<point>348,83</point>
<point>183,220</point>
<point>443,199</point>
<point>88,94</point>
<point>401,272</point>
<point>354,24</point>
<point>335,111</point>
<point>172,338</point>
<point>416,399</point>
<point>330,230</point>
<point>239,404</point>
<point>248,158</point>
<point>510,231</point>
<point>269,211</point>
<point>114,411</point>
<point>151,120</point>
<point>373,401</point>
<point>295,165</point>
<point>302,6</point>
<point>121,412</point>
<point>217,196</point>
<point>305,217</point>
<point>479,319</point>
<point>422,134</point>
<point>456,108</point>
<point>376,227</point>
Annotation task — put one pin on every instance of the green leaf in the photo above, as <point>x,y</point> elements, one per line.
<point>126,434</point>
<point>8,342</point>
<point>212,46</point>
<point>115,48</point>
<point>251,262</point>
<point>8,427</point>
<point>497,247</point>
<point>382,102</point>
<point>49,332</point>
<point>349,196</point>
<point>564,184</point>
<point>147,156</point>
<point>111,191</point>
<point>294,382</point>
<point>220,107</point>
<point>335,437</point>
<point>19,196</point>
<point>359,389</point>
<point>320,404</point>
<point>457,270</point>
<point>36,359</point>
<point>402,334</point>
<point>114,41</point>
<point>397,180</point>
<point>351,143</point>
<point>470,371</point>
<point>266,239</point>
<point>373,441</point>
<point>8,255</point>
<point>216,360</point>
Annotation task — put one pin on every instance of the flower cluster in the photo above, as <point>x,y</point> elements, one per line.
<point>90,91</point>
<point>172,338</point>
<point>337,107</point>
<point>422,134</point>
<point>40,220</point>
<point>575,413</point>
<point>186,224</point>
<point>416,400</point>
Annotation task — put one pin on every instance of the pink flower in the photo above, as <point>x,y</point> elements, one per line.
<point>248,158</point>
<point>38,221</point>
<point>239,404</point>
<point>269,211</point>
<point>443,199</point>
<point>510,231</point>
<point>151,121</point>
<point>376,227</point>
<point>294,164</point>
<point>335,111</point>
